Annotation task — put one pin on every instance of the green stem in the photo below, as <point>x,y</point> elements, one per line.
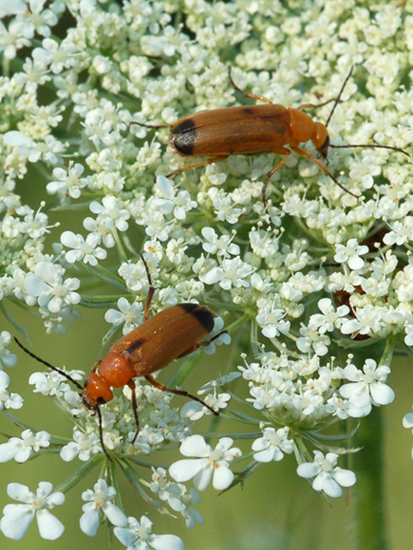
<point>240,321</point>
<point>369,465</point>
<point>135,479</point>
<point>79,474</point>
<point>105,275</point>
<point>121,250</point>
<point>387,355</point>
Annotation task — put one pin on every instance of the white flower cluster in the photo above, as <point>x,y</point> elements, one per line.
<point>306,391</point>
<point>313,272</point>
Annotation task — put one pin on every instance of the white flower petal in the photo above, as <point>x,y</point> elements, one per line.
<point>352,373</point>
<point>261,443</point>
<point>203,477</point>
<point>69,239</point>
<point>184,470</point>
<point>35,286</point>
<point>50,527</point>
<point>381,393</point>
<point>222,478</point>
<point>73,256</point>
<point>23,454</point>
<point>56,499</point>
<point>16,520</point>
<point>125,536</point>
<point>15,138</point>
<point>408,420</point>
<point>89,522</point>
<point>47,271</point>
<point>358,411</point>
<point>355,262</point>
<point>329,486</point>
<point>350,326</point>
<point>195,446</point>
<point>265,456</point>
<point>346,478</point>
<point>215,275</point>
<point>308,469</point>
<point>54,304</point>
<point>69,451</point>
<point>166,542</point>
<point>165,186</point>
<point>20,492</point>
<point>7,452</point>
<point>115,514</point>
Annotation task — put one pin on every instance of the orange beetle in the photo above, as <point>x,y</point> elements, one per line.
<point>172,333</point>
<point>249,130</point>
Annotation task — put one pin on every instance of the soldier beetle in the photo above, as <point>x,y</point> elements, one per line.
<point>249,130</point>
<point>172,333</point>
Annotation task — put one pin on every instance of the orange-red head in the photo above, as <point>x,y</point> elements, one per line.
<point>115,370</point>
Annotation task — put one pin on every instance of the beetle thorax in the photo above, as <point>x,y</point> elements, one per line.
<point>116,369</point>
<point>301,126</point>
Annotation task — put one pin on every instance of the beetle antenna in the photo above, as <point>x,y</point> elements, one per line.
<point>343,187</point>
<point>151,291</point>
<point>372,146</point>
<point>154,126</point>
<point>184,393</point>
<point>339,96</point>
<point>48,364</point>
<point>97,409</point>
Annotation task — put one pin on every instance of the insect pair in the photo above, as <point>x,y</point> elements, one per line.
<point>172,333</point>
<point>249,130</point>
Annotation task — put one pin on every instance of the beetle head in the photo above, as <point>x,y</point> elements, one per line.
<point>321,139</point>
<point>96,391</point>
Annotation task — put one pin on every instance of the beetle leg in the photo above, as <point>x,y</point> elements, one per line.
<point>197,165</point>
<point>95,366</point>
<point>305,154</point>
<point>160,386</point>
<point>200,345</point>
<point>315,106</point>
<point>279,151</point>
<point>151,291</point>
<point>132,386</point>
<point>153,126</point>
<point>243,92</point>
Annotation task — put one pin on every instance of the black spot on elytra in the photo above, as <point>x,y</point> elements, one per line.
<point>135,345</point>
<point>186,125</point>
<point>248,111</point>
<point>183,136</point>
<point>202,314</point>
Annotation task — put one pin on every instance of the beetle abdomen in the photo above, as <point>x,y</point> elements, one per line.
<point>166,336</point>
<point>243,130</point>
